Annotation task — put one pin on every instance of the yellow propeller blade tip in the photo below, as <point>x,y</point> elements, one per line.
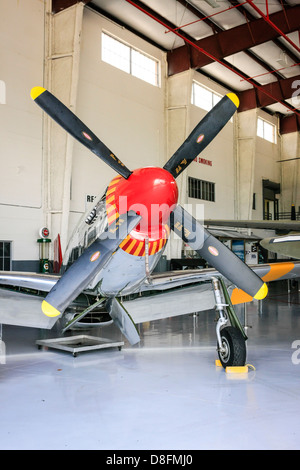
<point>37,91</point>
<point>234,99</point>
<point>49,310</point>
<point>261,294</point>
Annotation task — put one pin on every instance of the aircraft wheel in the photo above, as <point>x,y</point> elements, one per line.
<point>234,345</point>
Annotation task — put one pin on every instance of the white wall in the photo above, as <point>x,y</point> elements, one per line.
<point>290,171</point>
<point>266,164</point>
<point>126,113</point>
<point>21,68</point>
<point>182,118</point>
<point>221,152</point>
<point>240,160</point>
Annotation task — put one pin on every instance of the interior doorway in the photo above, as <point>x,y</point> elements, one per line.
<point>270,201</point>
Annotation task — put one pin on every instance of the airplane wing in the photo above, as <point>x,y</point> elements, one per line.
<point>287,225</point>
<point>172,293</point>
<point>282,245</point>
<point>30,281</point>
<point>188,291</point>
<point>20,299</point>
<point>267,272</point>
<point>170,303</point>
<point>286,245</point>
<point>21,295</point>
<point>184,292</point>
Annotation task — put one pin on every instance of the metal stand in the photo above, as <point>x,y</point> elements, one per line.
<point>80,343</point>
<point>82,315</point>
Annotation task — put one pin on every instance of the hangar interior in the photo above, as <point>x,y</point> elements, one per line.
<point>141,75</point>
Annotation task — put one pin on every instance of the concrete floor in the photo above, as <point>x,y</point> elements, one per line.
<point>165,393</point>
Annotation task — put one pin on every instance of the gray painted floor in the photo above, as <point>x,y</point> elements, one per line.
<point>165,393</point>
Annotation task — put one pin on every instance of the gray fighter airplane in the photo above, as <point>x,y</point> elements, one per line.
<point>115,248</point>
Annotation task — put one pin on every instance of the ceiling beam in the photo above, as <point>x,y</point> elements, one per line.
<point>273,25</point>
<point>232,41</point>
<point>289,123</point>
<point>268,94</point>
<point>249,16</point>
<point>217,29</point>
<point>193,45</point>
<point>59,5</point>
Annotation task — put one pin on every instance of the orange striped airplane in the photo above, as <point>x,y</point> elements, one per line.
<point>116,247</point>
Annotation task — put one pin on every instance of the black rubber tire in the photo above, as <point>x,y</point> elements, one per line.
<point>235,345</point>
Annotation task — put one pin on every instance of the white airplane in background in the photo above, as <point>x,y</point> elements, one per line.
<point>287,245</point>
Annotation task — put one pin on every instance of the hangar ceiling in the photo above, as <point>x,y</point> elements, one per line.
<point>251,47</point>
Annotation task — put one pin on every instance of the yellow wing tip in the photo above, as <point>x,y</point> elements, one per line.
<point>49,310</point>
<point>261,294</point>
<point>234,99</point>
<point>36,91</point>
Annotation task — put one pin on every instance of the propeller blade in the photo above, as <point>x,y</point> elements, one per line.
<point>123,320</point>
<point>217,254</point>
<point>68,121</point>
<point>83,270</point>
<point>203,134</point>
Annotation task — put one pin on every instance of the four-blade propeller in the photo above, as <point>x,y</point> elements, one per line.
<point>82,272</point>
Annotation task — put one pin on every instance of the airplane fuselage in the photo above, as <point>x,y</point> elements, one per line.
<point>124,273</point>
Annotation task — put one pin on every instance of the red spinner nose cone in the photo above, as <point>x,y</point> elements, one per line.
<point>151,192</point>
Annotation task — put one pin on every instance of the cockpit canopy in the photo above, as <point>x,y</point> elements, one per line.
<point>91,226</point>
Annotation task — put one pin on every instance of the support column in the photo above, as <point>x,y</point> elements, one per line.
<point>245,164</point>
<point>290,171</point>
<point>178,119</point>
<point>62,53</point>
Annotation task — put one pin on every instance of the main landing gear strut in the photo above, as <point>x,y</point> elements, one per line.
<point>231,338</point>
